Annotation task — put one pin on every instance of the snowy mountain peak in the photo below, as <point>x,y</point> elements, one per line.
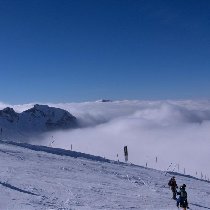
<point>38,106</point>
<point>104,100</point>
<point>51,117</point>
<point>38,119</point>
<point>8,110</point>
<point>8,114</point>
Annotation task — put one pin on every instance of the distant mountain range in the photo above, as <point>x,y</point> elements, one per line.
<point>39,119</point>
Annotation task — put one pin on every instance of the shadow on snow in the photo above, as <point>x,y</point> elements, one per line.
<point>16,188</point>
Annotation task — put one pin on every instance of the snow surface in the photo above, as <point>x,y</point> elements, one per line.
<point>37,177</point>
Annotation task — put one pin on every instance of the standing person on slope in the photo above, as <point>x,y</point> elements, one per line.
<point>172,184</point>
<point>182,200</point>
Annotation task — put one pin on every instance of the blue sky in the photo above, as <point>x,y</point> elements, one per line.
<point>79,50</point>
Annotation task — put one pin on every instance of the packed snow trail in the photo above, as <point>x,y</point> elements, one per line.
<point>42,178</point>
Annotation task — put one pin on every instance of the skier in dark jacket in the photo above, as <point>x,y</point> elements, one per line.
<point>172,184</point>
<point>182,200</point>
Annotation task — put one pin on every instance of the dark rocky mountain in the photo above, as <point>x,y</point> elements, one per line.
<point>39,119</point>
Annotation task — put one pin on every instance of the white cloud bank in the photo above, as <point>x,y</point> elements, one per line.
<point>173,131</point>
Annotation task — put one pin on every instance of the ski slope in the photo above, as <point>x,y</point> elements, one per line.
<point>37,177</point>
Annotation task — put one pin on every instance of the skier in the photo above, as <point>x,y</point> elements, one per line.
<point>172,184</point>
<point>182,200</point>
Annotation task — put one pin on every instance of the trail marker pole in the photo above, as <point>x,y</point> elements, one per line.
<point>126,153</point>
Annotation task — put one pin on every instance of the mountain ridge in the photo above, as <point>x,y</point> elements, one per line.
<point>36,120</point>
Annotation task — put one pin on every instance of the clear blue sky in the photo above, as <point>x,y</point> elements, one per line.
<point>78,50</point>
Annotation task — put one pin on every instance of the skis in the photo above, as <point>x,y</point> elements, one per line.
<point>174,167</point>
<point>168,168</point>
<point>183,208</point>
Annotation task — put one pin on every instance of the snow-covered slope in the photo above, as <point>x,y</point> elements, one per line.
<point>38,119</point>
<point>37,177</point>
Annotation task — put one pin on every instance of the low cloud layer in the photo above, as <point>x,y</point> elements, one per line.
<point>175,132</point>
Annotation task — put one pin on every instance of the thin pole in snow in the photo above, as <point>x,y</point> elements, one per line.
<point>126,153</point>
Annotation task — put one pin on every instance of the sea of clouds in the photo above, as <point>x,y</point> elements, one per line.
<point>176,132</point>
